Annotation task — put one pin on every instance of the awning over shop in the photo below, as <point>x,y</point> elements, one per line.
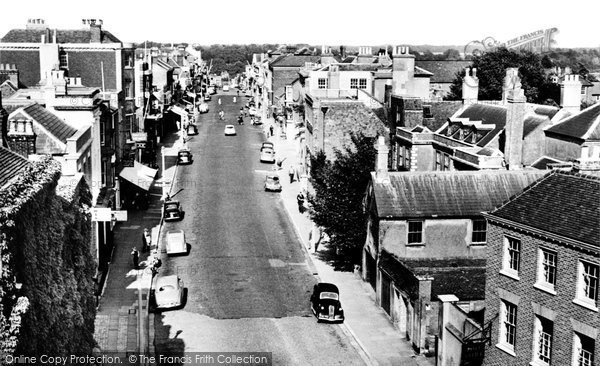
<point>178,110</point>
<point>140,175</point>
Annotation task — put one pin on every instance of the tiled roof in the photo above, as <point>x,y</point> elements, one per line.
<point>561,203</point>
<point>463,277</point>
<point>11,165</point>
<point>294,60</point>
<point>532,122</point>
<point>62,36</point>
<point>584,125</point>
<point>487,114</point>
<point>449,193</point>
<point>54,125</point>
<point>353,67</point>
<point>443,71</point>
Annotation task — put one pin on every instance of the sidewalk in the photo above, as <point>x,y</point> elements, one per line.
<point>366,322</point>
<point>117,324</point>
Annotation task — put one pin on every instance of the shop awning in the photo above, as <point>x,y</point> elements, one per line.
<point>140,175</point>
<point>178,110</point>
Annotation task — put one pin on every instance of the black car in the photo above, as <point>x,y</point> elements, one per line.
<point>172,211</point>
<point>325,303</point>
<point>184,156</point>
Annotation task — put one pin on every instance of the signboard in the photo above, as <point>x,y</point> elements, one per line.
<point>139,136</point>
<point>101,214</point>
<point>119,215</point>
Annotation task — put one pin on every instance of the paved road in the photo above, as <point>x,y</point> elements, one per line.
<point>247,276</point>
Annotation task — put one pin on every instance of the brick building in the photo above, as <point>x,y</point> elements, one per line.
<point>543,274</point>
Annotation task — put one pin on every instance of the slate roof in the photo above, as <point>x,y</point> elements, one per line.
<point>584,125</point>
<point>543,162</point>
<point>561,203</point>
<point>487,114</point>
<point>532,122</point>
<point>443,71</point>
<point>448,193</point>
<point>11,165</point>
<point>62,36</point>
<point>294,60</point>
<point>353,67</point>
<point>52,123</point>
<point>463,277</point>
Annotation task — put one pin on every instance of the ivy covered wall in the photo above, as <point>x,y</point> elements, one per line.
<point>45,234</point>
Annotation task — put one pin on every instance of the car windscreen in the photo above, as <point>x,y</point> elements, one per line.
<point>167,288</point>
<point>172,206</point>
<point>329,295</point>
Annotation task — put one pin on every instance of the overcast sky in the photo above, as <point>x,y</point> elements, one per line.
<point>317,22</point>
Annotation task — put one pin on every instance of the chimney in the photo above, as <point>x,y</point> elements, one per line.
<point>515,114</point>
<point>3,124</point>
<point>470,86</point>
<point>570,93</point>
<point>36,24</point>
<point>365,55</point>
<point>403,71</point>
<point>381,170</point>
<point>511,81</point>
<point>95,30</point>
<point>334,77</point>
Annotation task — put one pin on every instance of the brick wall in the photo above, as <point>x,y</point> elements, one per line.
<point>27,62</point>
<point>87,65</point>
<point>567,312</point>
<point>283,77</point>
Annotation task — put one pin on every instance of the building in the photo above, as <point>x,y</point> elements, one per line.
<point>543,273</point>
<point>444,73</point>
<point>284,70</point>
<point>426,236</point>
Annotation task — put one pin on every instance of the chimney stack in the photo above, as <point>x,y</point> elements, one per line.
<point>403,70</point>
<point>470,86</point>
<point>515,115</point>
<point>570,93</point>
<point>95,29</point>
<point>381,170</point>
<point>365,54</point>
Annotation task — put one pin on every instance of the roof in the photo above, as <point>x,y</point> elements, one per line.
<point>443,71</point>
<point>543,162</point>
<point>62,36</point>
<point>448,193</point>
<point>584,125</point>
<point>532,122</point>
<point>294,60</point>
<point>463,277</point>
<point>353,67</point>
<point>53,124</point>
<point>422,72</point>
<point>11,165</point>
<point>486,113</point>
<point>560,203</point>
<point>327,287</point>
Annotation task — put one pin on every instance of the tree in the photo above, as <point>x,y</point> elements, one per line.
<point>491,70</point>
<point>451,54</point>
<point>336,205</point>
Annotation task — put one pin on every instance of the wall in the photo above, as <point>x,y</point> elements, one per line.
<point>443,238</point>
<point>28,63</point>
<point>420,88</point>
<point>562,149</point>
<point>86,64</point>
<point>283,76</point>
<point>568,314</point>
<point>533,145</point>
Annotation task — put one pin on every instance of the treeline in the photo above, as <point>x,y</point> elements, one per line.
<point>232,58</point>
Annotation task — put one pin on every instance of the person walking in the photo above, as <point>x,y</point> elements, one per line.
<point>271,130</point>
<point>219,101</point>
<point>292,172</point>
<point>234,99</point>
<point>146,240</point>
<point>135,257</point>
<point>300,199</point>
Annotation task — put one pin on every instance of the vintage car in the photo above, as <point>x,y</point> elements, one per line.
<point>268,144</point>
<point>225,88</point>
<point>252,111</point>
<point>176,242</point>
<point>212,89</point>
<point>267,155</point>
<point>184,156</point>
<point>172,211</point>
<point>272,183</point>
<point>203,108</point>
<point>168,292</point>
<point>230,130</point>
<point>207,97</point>
<point>192,129</point>
<point>325,303</point>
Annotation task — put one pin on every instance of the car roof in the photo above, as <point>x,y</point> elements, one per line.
<point>273,176</point>
<point>327,287</point>
<point>167,281</point>
<point>267,143</point>
<point>171,202</point>
<point>175,233</point>
<point>266,148</point>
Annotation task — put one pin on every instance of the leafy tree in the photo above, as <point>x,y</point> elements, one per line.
<point>451,54</point>
<point>336,205</point>
<point>491,70</point>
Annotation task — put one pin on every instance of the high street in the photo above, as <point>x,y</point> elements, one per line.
<point>247,277</point>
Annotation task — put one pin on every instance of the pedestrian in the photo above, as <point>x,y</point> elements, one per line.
<point>300,200</point>
<point>135,256</point>
<point>219,101</point>
<point>146,240</point>
<point>234,99</point>
<point>292,172</point>
<point>271,130</point>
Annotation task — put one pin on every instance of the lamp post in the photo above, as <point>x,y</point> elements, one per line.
<point>164,184</point>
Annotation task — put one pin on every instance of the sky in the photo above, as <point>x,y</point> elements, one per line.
<point>319,22</point>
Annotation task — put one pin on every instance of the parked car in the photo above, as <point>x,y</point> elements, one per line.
<point>203,108</point>
<point>325,303</point>
<point>267,155</point>
<point>176,242</point>
<point>172,211</point>
<point>225,88</point>
<point>272,183</point>
<point>168,292</point>
<point>212,89</point>
<point>252,111</point>
<point>192,129</point>
<point>230,130</point>
<point>184,156</point>
<point>268,144</point>
<point>207,97</point>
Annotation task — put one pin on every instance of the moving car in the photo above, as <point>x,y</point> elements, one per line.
<point>272,183</point>
<point>176,242</point>
<point>203,108</point>
<point>268,144</point>
<point>172,211</point>
<point>325,303</point>
<point>230,130</point>
<point>267,155</point>
<point>168,292</point>
<point>184,156</point>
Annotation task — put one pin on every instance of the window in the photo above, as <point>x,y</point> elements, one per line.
<point>415,232</point>
<point>322,83</point>
<point>362,83</point>
<point>353,83</point>
<point>438,160</point>
<point>542,341</point>
<point>512,256</point>
<point>583,350</point>
<point>400,157</point>
<point>546,269</point>
<point>102,132</point>
<point>479,234</point>
<point>63,60</point>
<point>446,162</point>
<point>588,284</point>
<point>508,325</point>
